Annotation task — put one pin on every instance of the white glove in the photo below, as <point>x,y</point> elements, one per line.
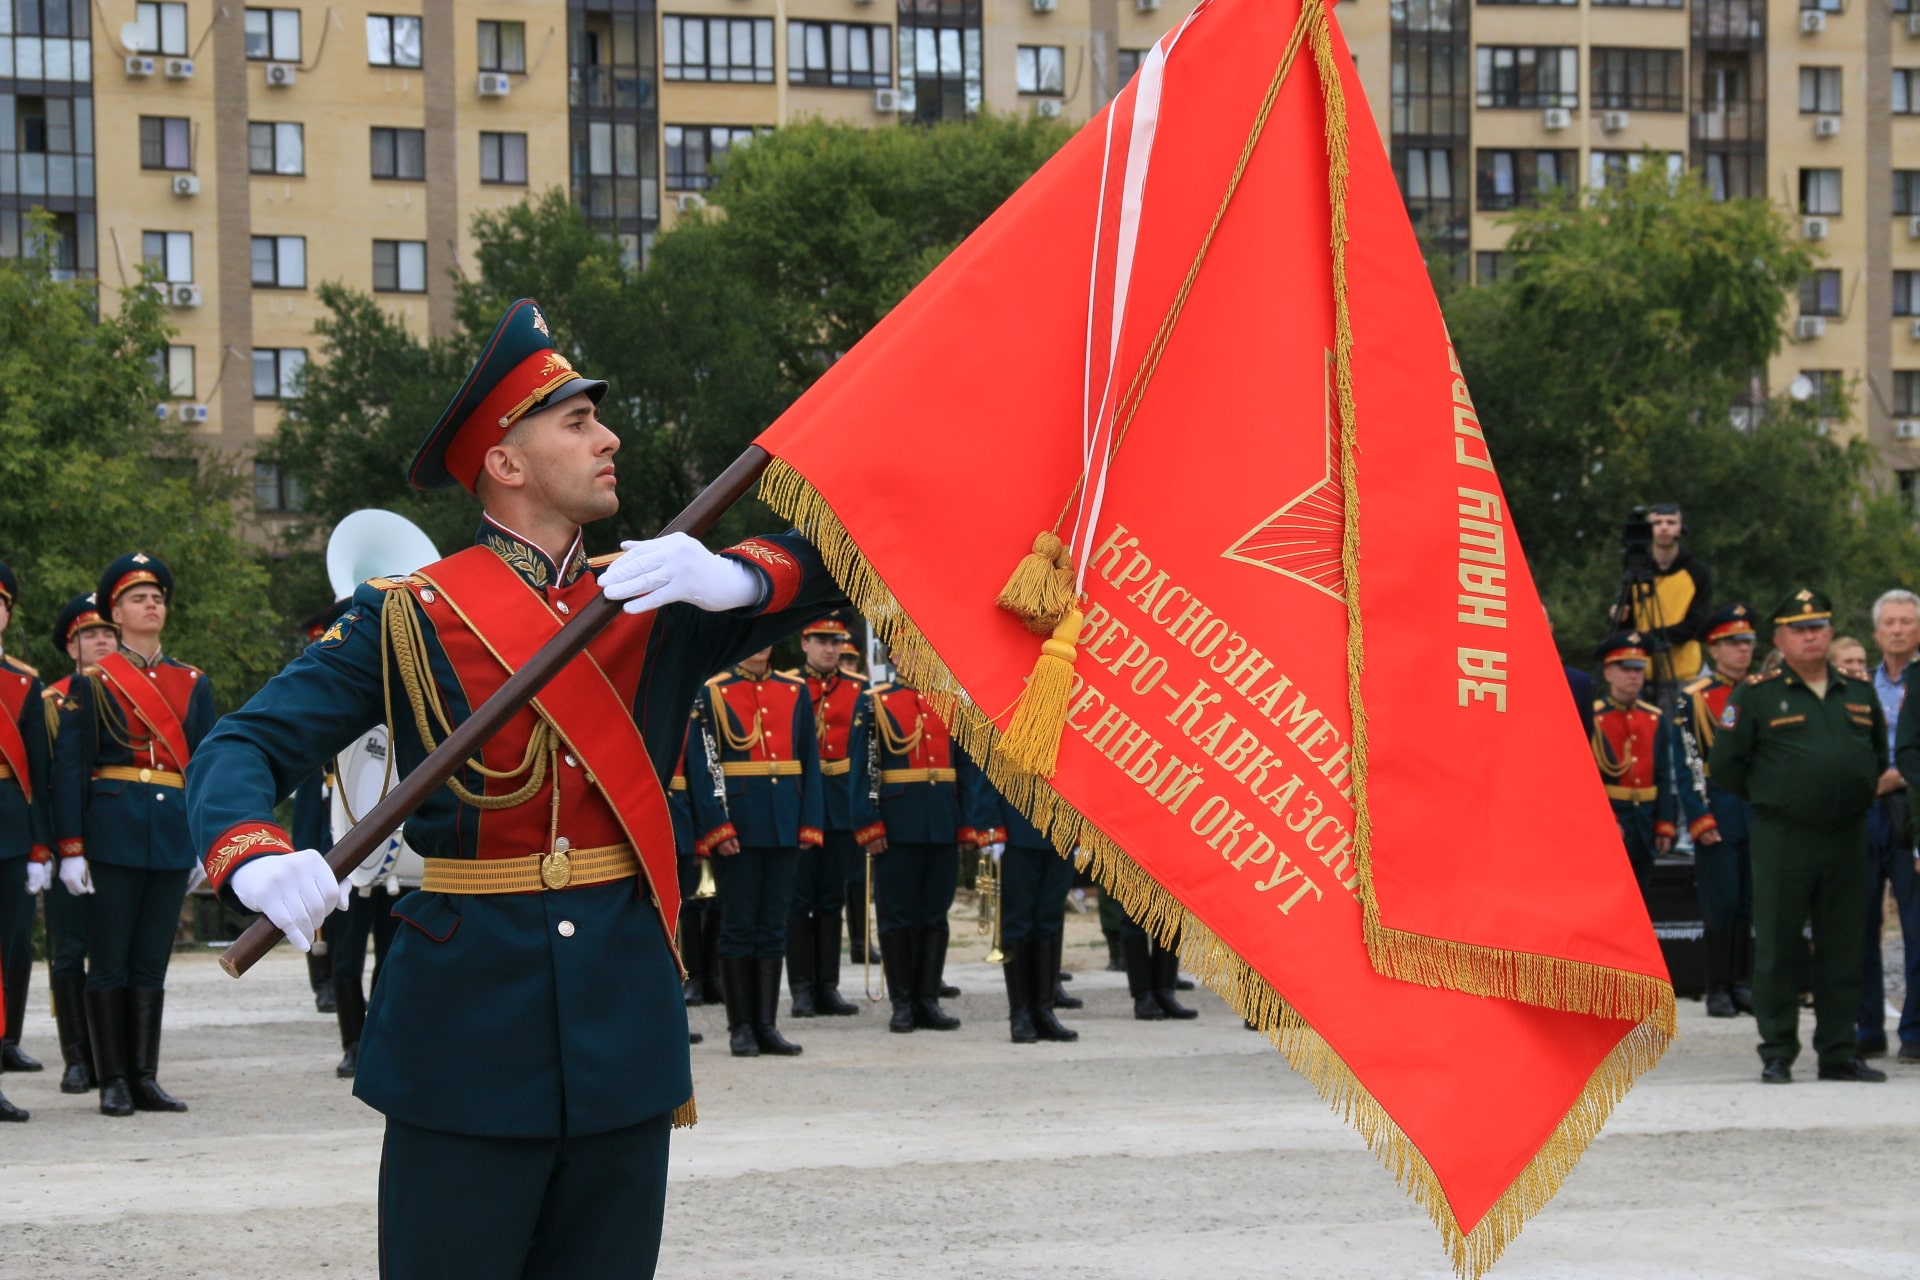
<point>996,849</point>
<point>676,568</point>
<point>294,890</point>
<point>39,876</point>
<point>74,875</point>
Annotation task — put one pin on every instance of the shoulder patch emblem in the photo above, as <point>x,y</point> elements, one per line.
<point>336,634</point>
<point>1730,716</point>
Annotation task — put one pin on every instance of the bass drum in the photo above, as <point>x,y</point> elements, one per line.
<point>362,781</point>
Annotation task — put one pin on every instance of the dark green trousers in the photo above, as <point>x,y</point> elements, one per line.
<point>1800,875</point>
<point>913,884</point>
<point>522,1208</point>
<point>66,931</point>
<point>820,878</point>
<point>130,925</point>
<point>756,889</point>
<point>1033,888</point>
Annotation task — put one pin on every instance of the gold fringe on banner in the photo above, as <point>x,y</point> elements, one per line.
<point>686,1115</point>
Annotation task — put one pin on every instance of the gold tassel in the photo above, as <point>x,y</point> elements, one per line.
<point>686,1115</point>
<point>1032,741</point>
<point>1041,589</point>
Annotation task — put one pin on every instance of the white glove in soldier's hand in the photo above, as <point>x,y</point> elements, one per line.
<point>676,568</point>
<point>39,876</point>
<point>74,875</point>
<point>297,891</point>
<point>995,849</point>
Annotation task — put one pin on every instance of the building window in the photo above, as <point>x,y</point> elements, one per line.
<point>1906,293</point>
<point>1906,91</point>
<point>1606,168</point>
<point>1820,293</point>
<point>166,142</point>
<point>1130,60</point>
<point>503,158</point>
<point>1488,266</point>
<point>1635,4</point>
<point>277,148</point>
<point>170,252</point>
<point>1639,80</point>
<point>1518,179</point>
<point>279,262</point>
<point>839,55</point>
<point>276,372</point>
<point>393,41</point>
<point>1528,77</point>
<point>1825,6</point>
<point>1820,191</point>
<point>1531,2</point>
<point>174,365</point>
<point>503,47</point>
<point>273,35</point>
<point>399,266</point>
<point>400,154</point>
<point>1906,393</point>
<point>1820,90</point>
<point>1429,174</point>
<point>1040,68</point>
<point>739,50</point>
<point>1826,392</point>
<point>1906,192</point>
<point>940,63</point>
<point>162,28</point>
<point>273,492</point>
<point>695,150</point>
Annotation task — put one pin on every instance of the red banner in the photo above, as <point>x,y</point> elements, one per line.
<point>1316,723</point>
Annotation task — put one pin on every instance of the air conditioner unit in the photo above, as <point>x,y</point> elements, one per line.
<point>1807,327</point>
<point>1615,121</point>
<point>193,413</point>
<point>1048,107</point>
<point>1827,127</point>
<point>139,66</point>
<point>179,68</point>
<point>1812,22</point>
<point>495,84</point>
<point>1147,6</point>
<point>1813,228</point>
<point>1906,429</point>
<point>1556,118</point>
<point>1045,6</point>
<point>689,202</point>
<point>281,75</point>
<point>183,295</point>
<point>886,101</point>
<point>186,184</point>
<point>1913,24</point>
<point>162,412</point>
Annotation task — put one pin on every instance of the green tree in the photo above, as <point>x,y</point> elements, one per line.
<point>94,474</point>
<point>1607,366</point>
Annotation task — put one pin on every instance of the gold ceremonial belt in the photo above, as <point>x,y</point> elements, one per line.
<point>1636,794</point>
<point>834,768</point>
<point>761,769</point>
<point>571,868</point>
<point>678,784</point>
<point>127,773</point>
<point>918,775</point>
<point>6,770</point>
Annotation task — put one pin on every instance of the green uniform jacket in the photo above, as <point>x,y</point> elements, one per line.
<point>1810,761</point>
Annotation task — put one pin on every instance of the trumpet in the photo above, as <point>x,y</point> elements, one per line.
<point>987,887</point>
<point>707,888</point>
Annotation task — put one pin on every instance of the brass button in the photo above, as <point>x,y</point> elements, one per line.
<point>146,775</point>
<point>566,928</point>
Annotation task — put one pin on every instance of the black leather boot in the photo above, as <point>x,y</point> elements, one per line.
<point>12,1057</point>
<point>70,1015</point>
<point>929,959</point>
<point>766,1008</point>
<point>738,986</point>
<point>320,978</point>
<point>945,990</point>
<point>1050,944</point>
<point>1166,970</point>
<point>1139,958</point>
<point>800,964</point>
<point>896,959</point>
<point>107,1028</point>
<point>350,1006</point>
<point>1116,955</point>
<point>12,1114</point>
<point>827,999</point>
<point>1719,945</point>
<point>692,947</point>
<point>147,1006</point>
<point>1018,971</point>
<point>1043,971</point>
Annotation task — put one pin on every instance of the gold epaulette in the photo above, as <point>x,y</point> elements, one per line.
<point>885,686</point>
<point>716,681</point>
<point>387,584</point>
<point>1601,704</point>
<point>91,673</point>
<point>1702,681</point>
<point>789,677</point>
<point>855,676</point>
<point>50,694</point>
<point>1643,705</point>
<point>18,665</point>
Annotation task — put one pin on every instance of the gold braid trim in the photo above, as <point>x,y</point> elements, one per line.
<point>686,1115</point>
<point>1551,981</point>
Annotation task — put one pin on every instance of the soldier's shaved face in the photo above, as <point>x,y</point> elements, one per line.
<point>141,610</point>
<point>823,652</point>
<point>91,645</point>
<point>1625,682</point>
<point>561,458</point>
<point>1732,657</point>
<point>1803,646</point>
<point>6,614</point>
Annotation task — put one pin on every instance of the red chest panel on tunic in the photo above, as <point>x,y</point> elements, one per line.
<point>585,818</point>
<point>769,704</point>
<point>176,686</point>
<point>833,705</point>
<point>906,708</point>
<point>1715,697</point>
<point>14,688</point>
<point>1630,731</point>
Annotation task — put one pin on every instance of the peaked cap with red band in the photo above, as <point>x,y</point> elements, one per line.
<point>81,613</point>
<point>831,625</point>
<point>518,373</point>
<point>134,569</point>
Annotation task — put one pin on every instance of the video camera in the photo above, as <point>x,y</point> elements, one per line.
<point>1636,546</point>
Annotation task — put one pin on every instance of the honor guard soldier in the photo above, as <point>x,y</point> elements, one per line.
<point>699,892</point>
<point>1633,745</point>
<point>820,888</point>
<point>759,727</point>
<point>909,816</point>
<point>133,722</point>
<point>86,637</point>
<point>1034,880</point>
<point>25,855</point>
<point>1806,746</point>
<point>1722,869</point>
<point>527,1042</point>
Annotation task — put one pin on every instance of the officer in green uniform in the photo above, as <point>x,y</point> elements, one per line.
<point>1806,747</point>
